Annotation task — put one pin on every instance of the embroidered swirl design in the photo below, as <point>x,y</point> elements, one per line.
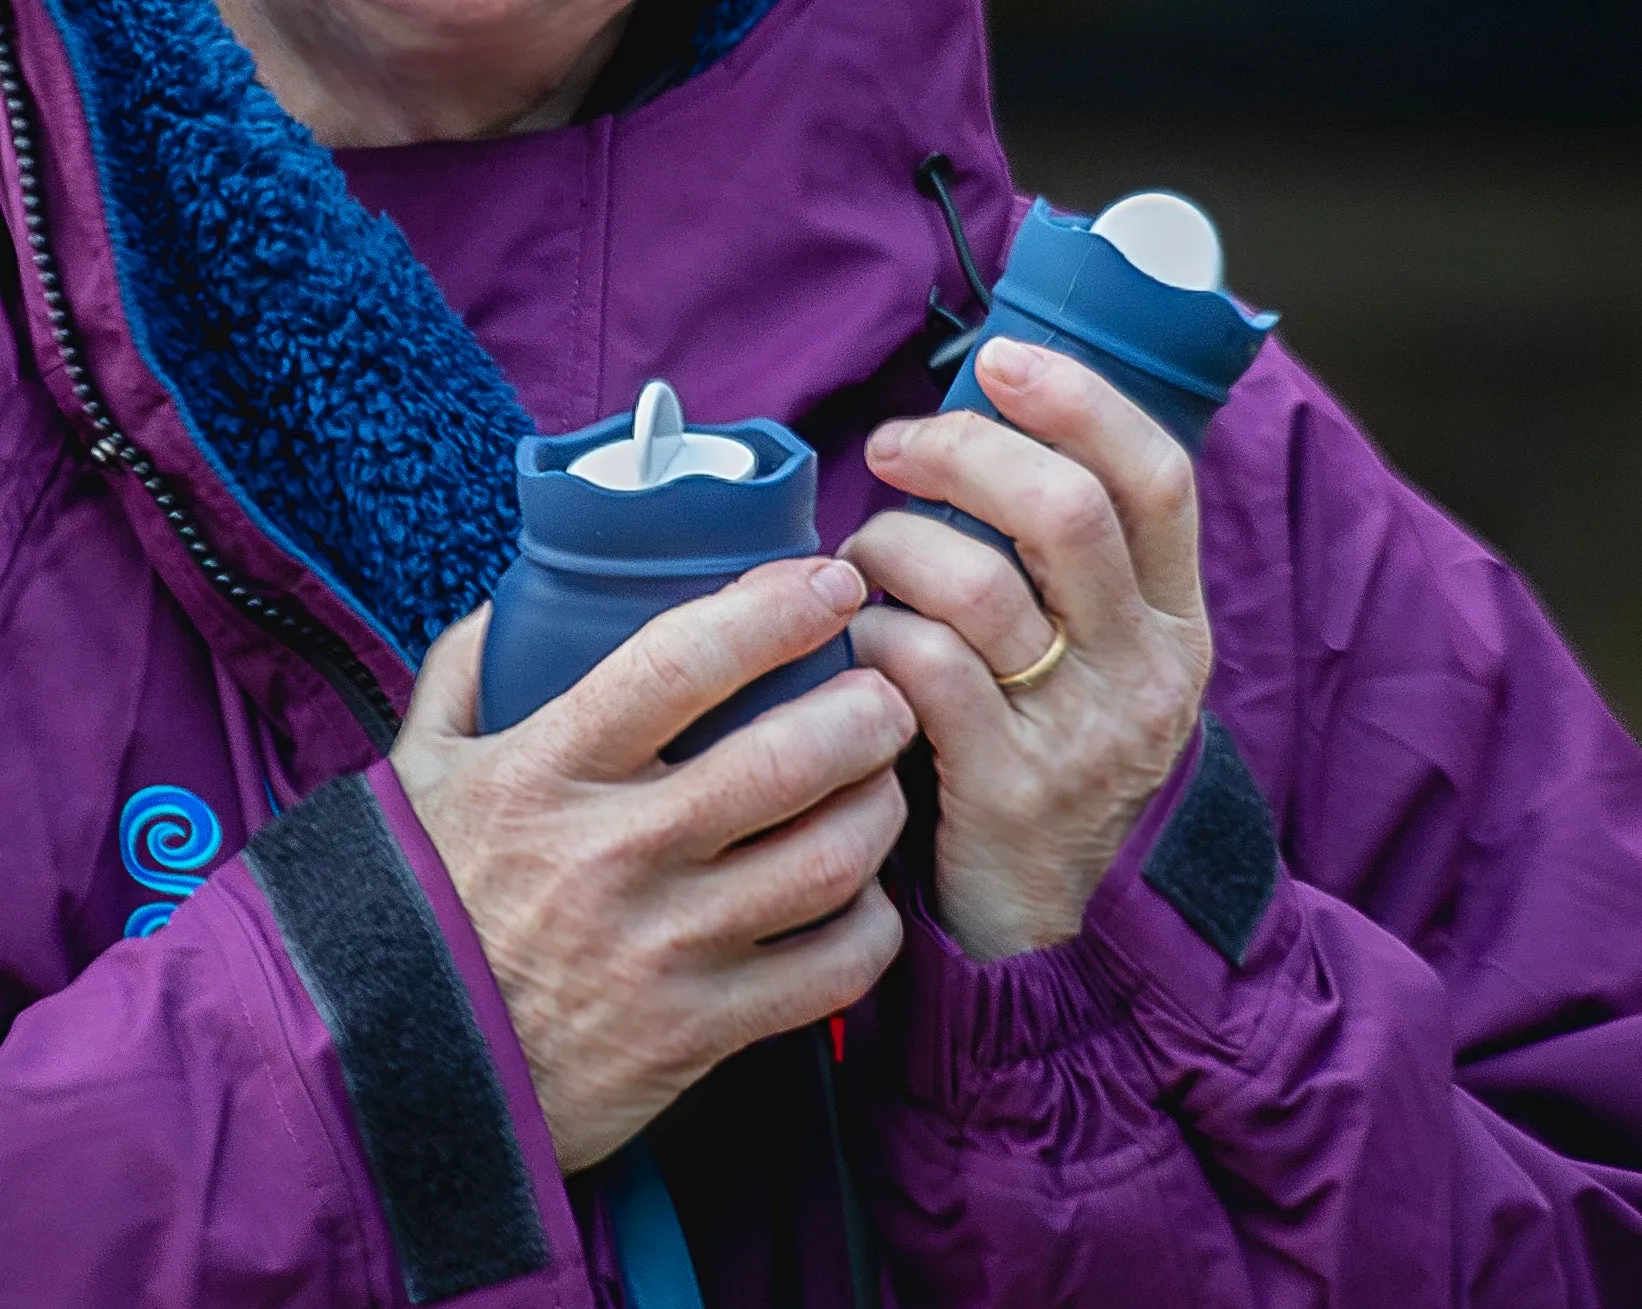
<point>167,833</point>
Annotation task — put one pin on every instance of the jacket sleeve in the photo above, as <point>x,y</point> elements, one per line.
<point>304,1090</point>
<point>1373,1043</point>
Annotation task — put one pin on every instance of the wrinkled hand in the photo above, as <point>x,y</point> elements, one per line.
<point>1038,790</point>
<point>627,906</point>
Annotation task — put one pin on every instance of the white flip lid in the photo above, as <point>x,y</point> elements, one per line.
<point>661,451</point>
<point>1167,237</point>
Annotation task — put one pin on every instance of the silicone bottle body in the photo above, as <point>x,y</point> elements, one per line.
<point>1175,353</point>
<point>595,565</point>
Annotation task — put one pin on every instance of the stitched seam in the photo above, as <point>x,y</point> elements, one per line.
<point>350,1218</point>
<point>1144,985</point>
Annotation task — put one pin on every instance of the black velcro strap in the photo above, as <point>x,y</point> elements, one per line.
<point>1216,860</point>
<point>425,1094</point>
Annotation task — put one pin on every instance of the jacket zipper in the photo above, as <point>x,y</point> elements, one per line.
<point>280,617</point>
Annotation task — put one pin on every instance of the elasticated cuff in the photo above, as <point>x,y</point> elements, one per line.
<point>1163,923</point>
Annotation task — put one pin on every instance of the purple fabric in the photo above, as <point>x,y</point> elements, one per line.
<point>1439,1018</point>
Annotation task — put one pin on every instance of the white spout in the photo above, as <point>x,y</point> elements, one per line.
<point>661,451</point>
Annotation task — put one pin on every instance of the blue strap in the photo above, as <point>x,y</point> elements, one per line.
<point>656,1272</point>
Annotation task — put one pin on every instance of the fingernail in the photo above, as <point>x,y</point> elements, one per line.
<point>1009,361</point>
<point>840,585</point>
<point>887,441</point>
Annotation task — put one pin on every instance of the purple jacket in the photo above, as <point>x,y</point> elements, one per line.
<point>249,463</point>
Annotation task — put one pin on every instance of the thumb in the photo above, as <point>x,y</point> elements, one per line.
<point>445,702</point>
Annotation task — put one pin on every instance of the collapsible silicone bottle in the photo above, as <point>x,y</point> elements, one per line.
<point>632,517</point>
<point>622,521</point>
<point>1138,296</point>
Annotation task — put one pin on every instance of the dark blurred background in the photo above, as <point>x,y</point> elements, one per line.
<point>1444,197</point>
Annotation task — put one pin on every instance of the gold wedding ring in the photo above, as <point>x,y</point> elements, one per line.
<point>1027,678</point>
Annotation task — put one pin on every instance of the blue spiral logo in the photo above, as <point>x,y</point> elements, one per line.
<point>149,918</point>
<point>167,833</point>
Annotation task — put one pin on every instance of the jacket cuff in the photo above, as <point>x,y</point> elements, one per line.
<point>439,1091</point>
<point>1190,912</point>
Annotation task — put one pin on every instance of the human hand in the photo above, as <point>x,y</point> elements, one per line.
<point>627,906</point>
<point>1038,789</point>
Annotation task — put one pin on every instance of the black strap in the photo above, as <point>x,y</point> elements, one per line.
<point>426,1097</point>
<point>1216,859</point>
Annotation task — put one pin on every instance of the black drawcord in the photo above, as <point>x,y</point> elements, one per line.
<point>934,175</point>
<point>950,336</point>
<point>859,1245</point>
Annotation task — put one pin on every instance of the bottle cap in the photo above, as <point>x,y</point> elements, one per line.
<point>1166,237</point>
<point>661,451</point>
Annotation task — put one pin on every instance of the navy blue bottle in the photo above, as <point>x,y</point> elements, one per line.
<point>596,564</point>
<point>1176,352</point>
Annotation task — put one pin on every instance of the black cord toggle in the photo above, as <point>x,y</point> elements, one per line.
<point>950,336</point>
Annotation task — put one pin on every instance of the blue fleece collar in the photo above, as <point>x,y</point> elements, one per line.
<point>314,360</point>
